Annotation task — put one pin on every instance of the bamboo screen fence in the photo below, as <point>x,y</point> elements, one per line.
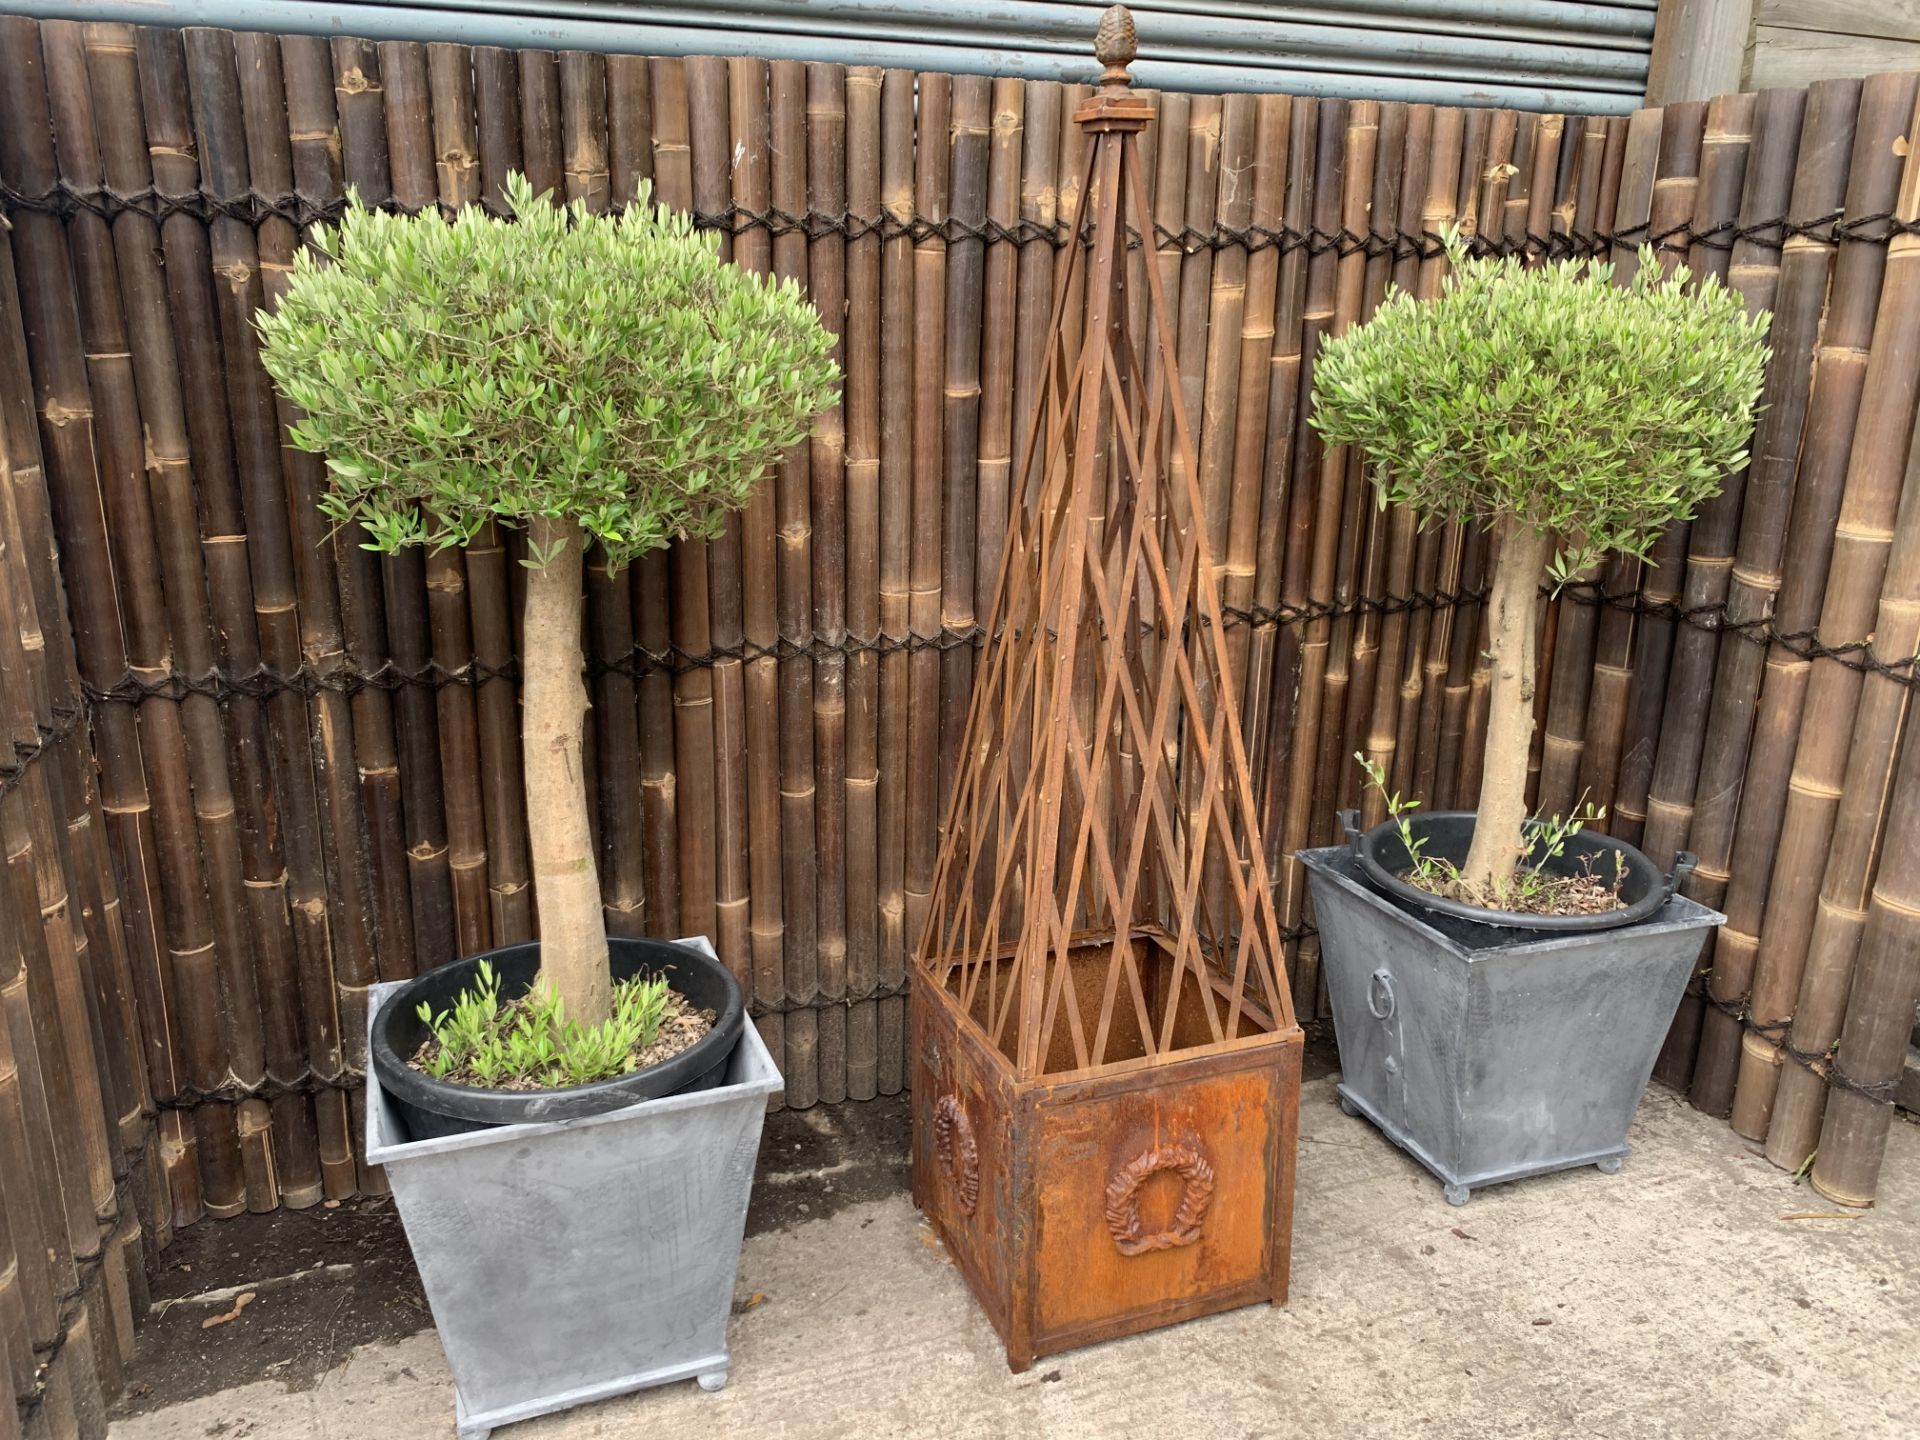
<point>305,761</point>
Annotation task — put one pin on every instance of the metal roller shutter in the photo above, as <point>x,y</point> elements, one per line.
<point>1575,55</point>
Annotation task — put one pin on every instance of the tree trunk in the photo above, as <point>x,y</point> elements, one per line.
<point>1511,619</point>
<point>566,881</point>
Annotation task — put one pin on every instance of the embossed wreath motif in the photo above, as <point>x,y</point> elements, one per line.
<point>1123,1198</point>
<point>957,1151</point>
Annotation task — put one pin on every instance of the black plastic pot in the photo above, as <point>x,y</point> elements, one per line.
<point>430,1108</point>
<point>1448,834</point>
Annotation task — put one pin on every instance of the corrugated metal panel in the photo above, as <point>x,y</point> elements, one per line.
<point>1537,54</point>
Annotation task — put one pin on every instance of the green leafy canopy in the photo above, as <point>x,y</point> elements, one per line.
<point>1548,394</point>
<point>610,370</point>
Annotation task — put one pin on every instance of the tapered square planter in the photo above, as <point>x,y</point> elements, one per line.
<point>573,1260</point>
<point>1490,1054</point>
<point>1115,1199</point>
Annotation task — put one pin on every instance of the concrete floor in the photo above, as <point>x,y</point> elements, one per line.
<point>1700,1292</point>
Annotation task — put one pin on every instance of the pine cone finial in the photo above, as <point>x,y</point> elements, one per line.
<point>1115,44</point>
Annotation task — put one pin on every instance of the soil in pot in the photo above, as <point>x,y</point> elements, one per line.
<point>430,1107</point>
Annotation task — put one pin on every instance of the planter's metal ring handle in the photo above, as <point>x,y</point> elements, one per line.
<point>1380,996</point>
<point>1683,864</point>
<point>1350,821</point>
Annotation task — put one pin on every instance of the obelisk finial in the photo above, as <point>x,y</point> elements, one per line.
<point>1115,44</point>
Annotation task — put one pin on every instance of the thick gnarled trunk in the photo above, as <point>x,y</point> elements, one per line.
<point>566,880</point>
<point>1511,619</point>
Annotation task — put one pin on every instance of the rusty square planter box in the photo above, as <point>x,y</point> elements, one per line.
<point>1098,1203</point>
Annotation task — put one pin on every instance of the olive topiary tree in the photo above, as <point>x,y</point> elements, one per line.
<point>591,379</point>
<point>1573,415</point>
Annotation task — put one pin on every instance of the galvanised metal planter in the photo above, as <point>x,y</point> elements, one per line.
<point>581,1258</point>
<point>1492,1054</point>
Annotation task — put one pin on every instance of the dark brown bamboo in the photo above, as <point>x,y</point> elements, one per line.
<point>403,68</point>
<point>760,616</point>
<point>793,496</point>
<point>1376,704</point>
<point>1424,781</point>
<point>1435,544</point>
<point>931,188</point>
<point>1837,791</point>
<point>827,276</point>
<point>496,102</point>
<point>333,1000</point>
<point>1570,679</point>
<point>689,623</point>
<point>895,559</point>
<point>1690,134</point>
<point>1299,662</point>
<point>456,153</point>
<point>1819,187</point>
<point>864,385</point>
<point>1842,363</point>
<point>540,140</point>
<point>712,141</point>
<point>1463,711</point>
<point>1619,576</point>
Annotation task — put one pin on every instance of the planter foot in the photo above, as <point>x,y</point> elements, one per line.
<point>1347,1107</point>
<point>1608,1166</point>
<point>1457,1194</point>
<point>714,1380</point>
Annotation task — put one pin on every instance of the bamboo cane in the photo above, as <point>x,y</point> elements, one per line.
<point>864,387</point>
<point>1613,639</point>
<point>540,154</point>
<point>1285,134</point>
<point>826,268</point>
<point>1563,736</point>
<point>1476,129</point>
<point>1873,1040</point>
<point>456,151</point>
<point>1344,507</point>
<point>585,104</point>
<point>1819,186</point>
<point>1463,711</point>
<point>931,188</point>
<point>360,105</point>
<point>1382,640</point>
<point>1690,135</point>
<point>752,250</point>
<point>403,69</point>
<point>1435,545</point>
<point>712,141</point>
<point>687,623</point>
<point>897,330</point>
<point>1836,431</point>
<point>1299,662</point>
<point>795,568</point>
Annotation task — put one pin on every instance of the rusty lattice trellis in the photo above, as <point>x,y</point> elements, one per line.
<point>1101,895</point>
